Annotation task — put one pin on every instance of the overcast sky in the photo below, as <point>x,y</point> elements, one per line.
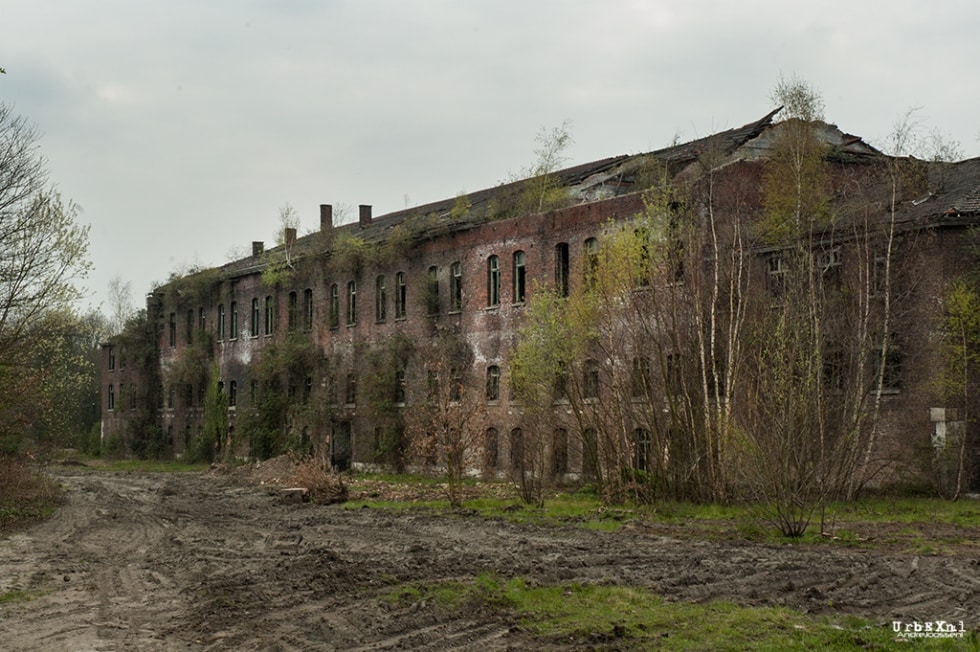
<point>182,127</point>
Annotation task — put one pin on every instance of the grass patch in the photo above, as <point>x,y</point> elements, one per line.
<point>635,619</point>
<point>148,466</point>
<point>14,596</point>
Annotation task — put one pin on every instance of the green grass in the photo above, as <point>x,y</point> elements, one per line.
<point>14,596</point>
<point>635,619</point>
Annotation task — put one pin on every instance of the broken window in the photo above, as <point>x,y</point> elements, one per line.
<point>561,269</point>
<point>380,299</point>
<point>493,281</point>
<point>233,393</point>
<point>590,248</point>
<point>401,295</point>
<point>520,278</point>
<point>456,287</point>
<point>559,452</point>
<point>111,352</point>
<point>172,337</point>
<point>334,306</point>
<point>432,293</point>
<point>111,398</point>
<point>350,393</point>
<point>644,445</point>
<point>777,275</point>
<point>493,383</point>
<point>351,303</point>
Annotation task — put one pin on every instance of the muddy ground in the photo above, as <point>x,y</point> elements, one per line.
<point>204,561</point>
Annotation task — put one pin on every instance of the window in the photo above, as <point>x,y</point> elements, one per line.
<point>776,275</point>
<point>674,373</point>
<point>202,319</point>
<point>350,393</point>
<point>307,389</point>
<point>190,327</point>
<point>401,295</point>
<point>561,269</point>
<point>520,279</point>
<point>559,452</point>
<point>232,393</point>
<point>308,309</point>
<point>292,308</point>
<point>334,306</point>
<point>189,395</point>
<point>891,374</point>
<point>255,317</point>
<point>233,326</point>
<point>455,385</point>
<point>640,378</point>
<point>493,281</point>
<point>491,447</point>
<point>221,321</point>
<point>643,447</point>
<point>270,315</point>
<point>493,383</point>
<point>351,303</point>
<point>590,269</point>
<point>455,287</point>
<point>122,393</point>
<point>172,338</point>
<point>590,453</point>
<point>171,397</point>
<point>111,352</point>
<point>111,398</point>
<point>590,379</point>
<point>253,390</point>
<point>432,291</point>
<point>400,387</point>
<point>880,272</point>
<point>380,300</point>
<point>829,265</point>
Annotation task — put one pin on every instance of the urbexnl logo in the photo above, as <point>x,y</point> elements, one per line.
<point>930,629</point>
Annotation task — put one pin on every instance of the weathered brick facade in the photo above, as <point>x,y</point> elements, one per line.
<point>345,293</point>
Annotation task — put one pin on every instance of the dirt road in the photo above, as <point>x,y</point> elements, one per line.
<point>198,562</point>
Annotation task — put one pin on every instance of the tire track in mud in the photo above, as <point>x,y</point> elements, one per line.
<point>194,562</point>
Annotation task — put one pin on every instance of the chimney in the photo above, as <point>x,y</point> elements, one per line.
<point>290,236</point>
<point>326,217</point>
<point>257,247</point>
<point>365,216</point>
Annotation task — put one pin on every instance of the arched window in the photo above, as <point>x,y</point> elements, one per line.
<point>255,318</point>
<point>270,315</point>
<point>493,281</point>
<point>308,309</point>
<point>221,321</point>
<point>351,303</point>
<point>380,299</point>
<point>432,294</point>
<point>233,326</point>
<point>456,287</point>
<point>334,306</point>
<point>520,279</point>
<point>493,383</point>
<point>401,295</point>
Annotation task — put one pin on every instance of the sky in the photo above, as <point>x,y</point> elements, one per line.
<point>183,127</point>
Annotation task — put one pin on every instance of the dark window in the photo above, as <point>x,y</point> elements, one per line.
<point>520,278</point>
<point>640,378</point>
<point>334,306</point>
<point>400,387</point>
<point>202,315</point>
<point>456,287</point>
<point>190,327</point>
<point>891,374</point>
<point>255,317</point>
<point>674,374</point>
<point>590,379</point>
<point>292,309</point>
<point>111,398</point>
<point>307,389</point>
<point>233,327</point>
<point>221,321</point>
<point>232,393</point>
<point>776,275</point>
<point>493,281</point>
<point>829,266</point>
<point>112,357</point>
<point>455,385</point>
<point>561,269</point>
<point>432,293</point>
<point>401,295</point>
<point>350,394</point>
<point>172,337</point>
<point>171,397</point>
<point>644,446</point>
<point>351,303</point>
<point>380,299</point>
<point>516,450</point>
<point>189,395</point>
<point>493,383</point>
<point>491,447</point>
<point>559,452</point>
<point>270,315</point>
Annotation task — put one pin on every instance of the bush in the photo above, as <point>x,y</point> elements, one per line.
<point>325,485</point>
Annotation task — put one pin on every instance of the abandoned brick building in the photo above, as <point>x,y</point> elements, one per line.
<point>316,342</point>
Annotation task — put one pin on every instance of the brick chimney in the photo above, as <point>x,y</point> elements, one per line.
<point>365,215</point>
<point>326,217</point>
<point>257,247</point>
<point>290,236</point>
